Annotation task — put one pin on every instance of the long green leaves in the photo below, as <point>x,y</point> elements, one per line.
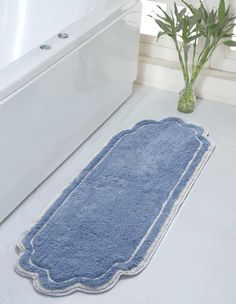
<point>186,27</point>
<point>230,43</point>
<point>221,11</point>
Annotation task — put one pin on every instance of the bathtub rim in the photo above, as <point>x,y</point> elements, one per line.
<point>21,71</point>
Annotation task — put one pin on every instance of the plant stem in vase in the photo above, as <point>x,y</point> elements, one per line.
<point>187,99</point>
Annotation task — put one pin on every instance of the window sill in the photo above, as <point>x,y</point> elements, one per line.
<point>164,74</point>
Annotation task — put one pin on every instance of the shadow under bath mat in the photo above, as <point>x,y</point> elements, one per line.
<point>110,220</point>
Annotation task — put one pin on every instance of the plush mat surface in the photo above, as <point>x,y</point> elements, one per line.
<point>110,220</point>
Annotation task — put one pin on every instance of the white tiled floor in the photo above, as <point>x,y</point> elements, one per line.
<point>196,262</point>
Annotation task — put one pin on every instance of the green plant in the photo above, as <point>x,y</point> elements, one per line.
<point>185,27</point>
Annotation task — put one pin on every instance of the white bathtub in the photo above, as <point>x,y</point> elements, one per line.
<point>52,100</point>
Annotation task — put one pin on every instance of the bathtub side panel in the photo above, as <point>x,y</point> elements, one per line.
<point>46,120</point>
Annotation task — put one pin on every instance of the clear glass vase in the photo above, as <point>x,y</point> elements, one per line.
<point>187,100</point>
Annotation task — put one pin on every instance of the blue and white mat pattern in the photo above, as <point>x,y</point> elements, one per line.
<point>111,219</point>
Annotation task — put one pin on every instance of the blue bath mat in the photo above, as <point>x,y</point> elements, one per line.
<point>110,220</point>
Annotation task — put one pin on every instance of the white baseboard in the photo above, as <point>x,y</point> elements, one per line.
<point>212,84</point>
